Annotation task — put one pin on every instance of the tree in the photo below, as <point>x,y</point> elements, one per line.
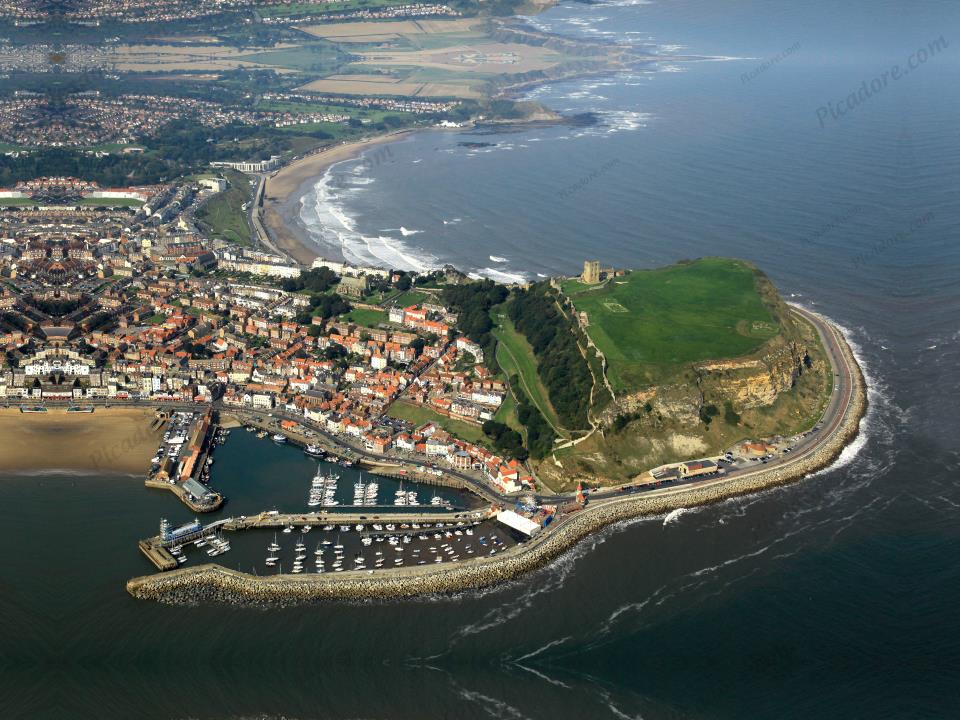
<point>562,367</point>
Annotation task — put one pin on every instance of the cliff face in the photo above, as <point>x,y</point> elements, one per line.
<point>745,383</point>
<point>754,382</point>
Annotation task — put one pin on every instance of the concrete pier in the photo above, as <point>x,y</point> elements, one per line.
<point>157,554</point>
<point>365,517</point>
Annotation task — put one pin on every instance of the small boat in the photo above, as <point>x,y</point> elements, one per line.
<point>279,438</point>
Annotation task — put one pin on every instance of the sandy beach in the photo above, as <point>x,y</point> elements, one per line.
<point>282,189</point>
<point>107,440</point>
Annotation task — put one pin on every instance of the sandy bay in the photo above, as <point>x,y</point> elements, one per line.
<point>284,188</point>
<point>107,440</point>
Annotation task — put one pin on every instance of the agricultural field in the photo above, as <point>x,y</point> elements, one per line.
<point>390,85</point>
<point>427,58</point>
<point>649,322</point>
<point>212,57</point>
<point>412,30</point>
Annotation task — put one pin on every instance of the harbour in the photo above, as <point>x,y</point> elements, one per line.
<point>751,606</point>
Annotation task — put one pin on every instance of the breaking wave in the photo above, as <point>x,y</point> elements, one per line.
<point>328,222</point>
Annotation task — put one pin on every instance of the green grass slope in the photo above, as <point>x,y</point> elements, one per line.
<point>649,322</point>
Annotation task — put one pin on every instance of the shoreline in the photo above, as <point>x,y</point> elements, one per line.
<point>211,583</point>
<point>286,186</point>
<point>109,440</point>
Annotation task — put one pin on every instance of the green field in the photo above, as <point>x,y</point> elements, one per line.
<point>507,414</point>
<point>366,318</point>
<point>649,322</point>
<point>223,215</point>
<point>419,414</point>
<point>110,202</point>
<point>516,357</point>
<point>411,297</point>
<point>318,57</point>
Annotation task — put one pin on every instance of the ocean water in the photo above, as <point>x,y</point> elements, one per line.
<point>835,597</point>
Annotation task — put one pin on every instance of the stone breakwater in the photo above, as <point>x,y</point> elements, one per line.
<point>215,584</point>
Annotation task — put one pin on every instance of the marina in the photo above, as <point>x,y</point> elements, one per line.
<point>370,541</point>
<point>325,492</point>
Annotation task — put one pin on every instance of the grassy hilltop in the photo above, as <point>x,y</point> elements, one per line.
<point>656,366</point>
<point>650,321</point>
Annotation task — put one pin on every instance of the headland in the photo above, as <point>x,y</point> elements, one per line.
<point>839,426</point>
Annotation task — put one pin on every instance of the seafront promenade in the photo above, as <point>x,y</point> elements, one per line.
<point>840,425</point>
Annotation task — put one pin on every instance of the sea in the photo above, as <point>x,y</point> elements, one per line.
<point>834,597</point>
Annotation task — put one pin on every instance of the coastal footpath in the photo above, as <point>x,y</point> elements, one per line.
<point>215,584</point>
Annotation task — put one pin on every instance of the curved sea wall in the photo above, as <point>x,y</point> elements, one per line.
<point>215,584</point>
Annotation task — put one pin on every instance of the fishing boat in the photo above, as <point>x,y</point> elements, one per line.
<point>279,438</point>
<point>314,450</point>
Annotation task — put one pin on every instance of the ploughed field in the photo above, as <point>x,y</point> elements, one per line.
<point>649,322</point>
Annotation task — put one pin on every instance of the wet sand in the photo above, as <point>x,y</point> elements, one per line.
<point>107,440</point>
<point>284,188</point>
